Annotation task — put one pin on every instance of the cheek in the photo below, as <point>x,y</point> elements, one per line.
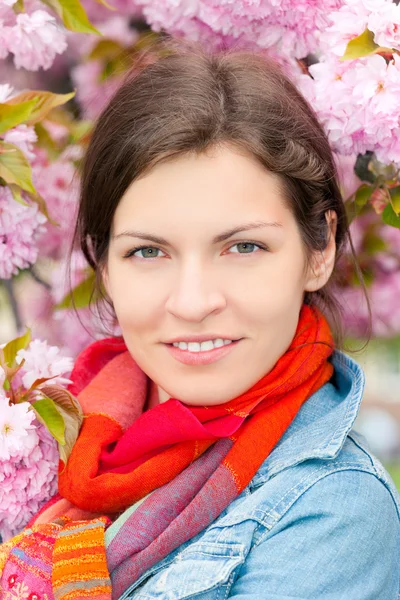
<point>132,312</point>
<point>128,298</point>
<point>275,291</point>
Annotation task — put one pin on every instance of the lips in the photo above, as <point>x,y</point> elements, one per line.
<point>203,357</point>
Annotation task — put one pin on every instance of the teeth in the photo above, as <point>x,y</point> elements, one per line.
<point>203,346</point>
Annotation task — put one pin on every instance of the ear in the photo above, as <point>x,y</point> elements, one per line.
<point>323,262</point>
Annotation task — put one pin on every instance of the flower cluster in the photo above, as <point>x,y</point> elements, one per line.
<point>357,102</point>
<point>353,17</point>
<point>29,478</point>
<point>287,29</point>
<point>42,361</point>
<point>28,453</point>
<point>58,183</point>
<point>20,228</point>
<point>33,39</point>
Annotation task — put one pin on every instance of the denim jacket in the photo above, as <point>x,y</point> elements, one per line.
<point>320,519</point>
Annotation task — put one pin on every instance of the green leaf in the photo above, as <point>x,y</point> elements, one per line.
<point>80,132</point>
<point>10,374</point>
<point>363,194</point>
<point>72,414</point>
<point>14,167</point>
<point>73,15</point>
<point>44,140</point>
<point>81,295</point>
<point>18,6</point>
<point>105,49</point>
<point>395,199</point>
<point>373,244</point>
<point>17,194</point>
<point>48,414</point>
<point>390,218</point>
<point>14,114</point>
<point>353,210</point>
<point>43,101</point>
<point>362,45</point>
<point>11,349</point>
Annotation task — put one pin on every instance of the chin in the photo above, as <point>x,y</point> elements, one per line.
<point>208,400</point>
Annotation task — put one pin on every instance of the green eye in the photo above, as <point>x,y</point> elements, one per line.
<point>248,247</point>
<point>151,252</point>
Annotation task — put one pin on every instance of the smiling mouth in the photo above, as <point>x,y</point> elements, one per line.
<point>195,347</point>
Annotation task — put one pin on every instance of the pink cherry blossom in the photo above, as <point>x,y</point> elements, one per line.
<point>353,17</point>
<point>356,101</point>
<point>34,40</point>
<point>3,49</point>
<point>7,15</point>
<point>58,184</point>
<point>42,360</point>
<point>349,182</point>
<point>20,227</point>
<point>376,84</point>
<point>27,480</point>
<point>15,423</point>
<point>24,137</point>
<point>92,94</point>
<point>99,13</point>
<point>6,91</point>
<point>385,23</point>
<point>346,23</point>
<point>291,29</point>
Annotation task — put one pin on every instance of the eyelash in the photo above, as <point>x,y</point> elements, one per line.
<point>132,251</point>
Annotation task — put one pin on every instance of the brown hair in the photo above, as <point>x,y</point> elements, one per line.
<point>187,100</point>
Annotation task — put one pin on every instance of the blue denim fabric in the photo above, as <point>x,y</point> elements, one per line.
<point>320,519</point>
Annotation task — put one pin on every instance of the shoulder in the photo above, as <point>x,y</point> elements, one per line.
<point>354,481</point>
<point>320,528</point>
<point>334,524</point>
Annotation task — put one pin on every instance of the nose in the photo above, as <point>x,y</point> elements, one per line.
<point>195,294</point>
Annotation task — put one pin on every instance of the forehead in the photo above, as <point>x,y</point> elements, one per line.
<point>204,187</point>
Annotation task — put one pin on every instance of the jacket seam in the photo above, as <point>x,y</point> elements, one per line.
<point>379,475</point>
<point>230,581</point>
<point>364,452</point>
<point>272,513</point>
<point>327,470</point>
<point>282,513</point>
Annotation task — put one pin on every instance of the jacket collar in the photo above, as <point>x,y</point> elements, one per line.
<point>320,428</point>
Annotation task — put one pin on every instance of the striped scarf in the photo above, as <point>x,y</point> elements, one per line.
<point>173,469</point>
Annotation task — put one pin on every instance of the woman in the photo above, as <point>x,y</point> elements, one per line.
<point>216,458</point>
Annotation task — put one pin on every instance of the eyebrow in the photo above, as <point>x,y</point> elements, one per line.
<point>216,240</point>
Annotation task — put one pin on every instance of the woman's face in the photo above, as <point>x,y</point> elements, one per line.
<point>247,287</point>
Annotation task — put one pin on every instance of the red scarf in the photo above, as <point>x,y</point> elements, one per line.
<point>123,454</point>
